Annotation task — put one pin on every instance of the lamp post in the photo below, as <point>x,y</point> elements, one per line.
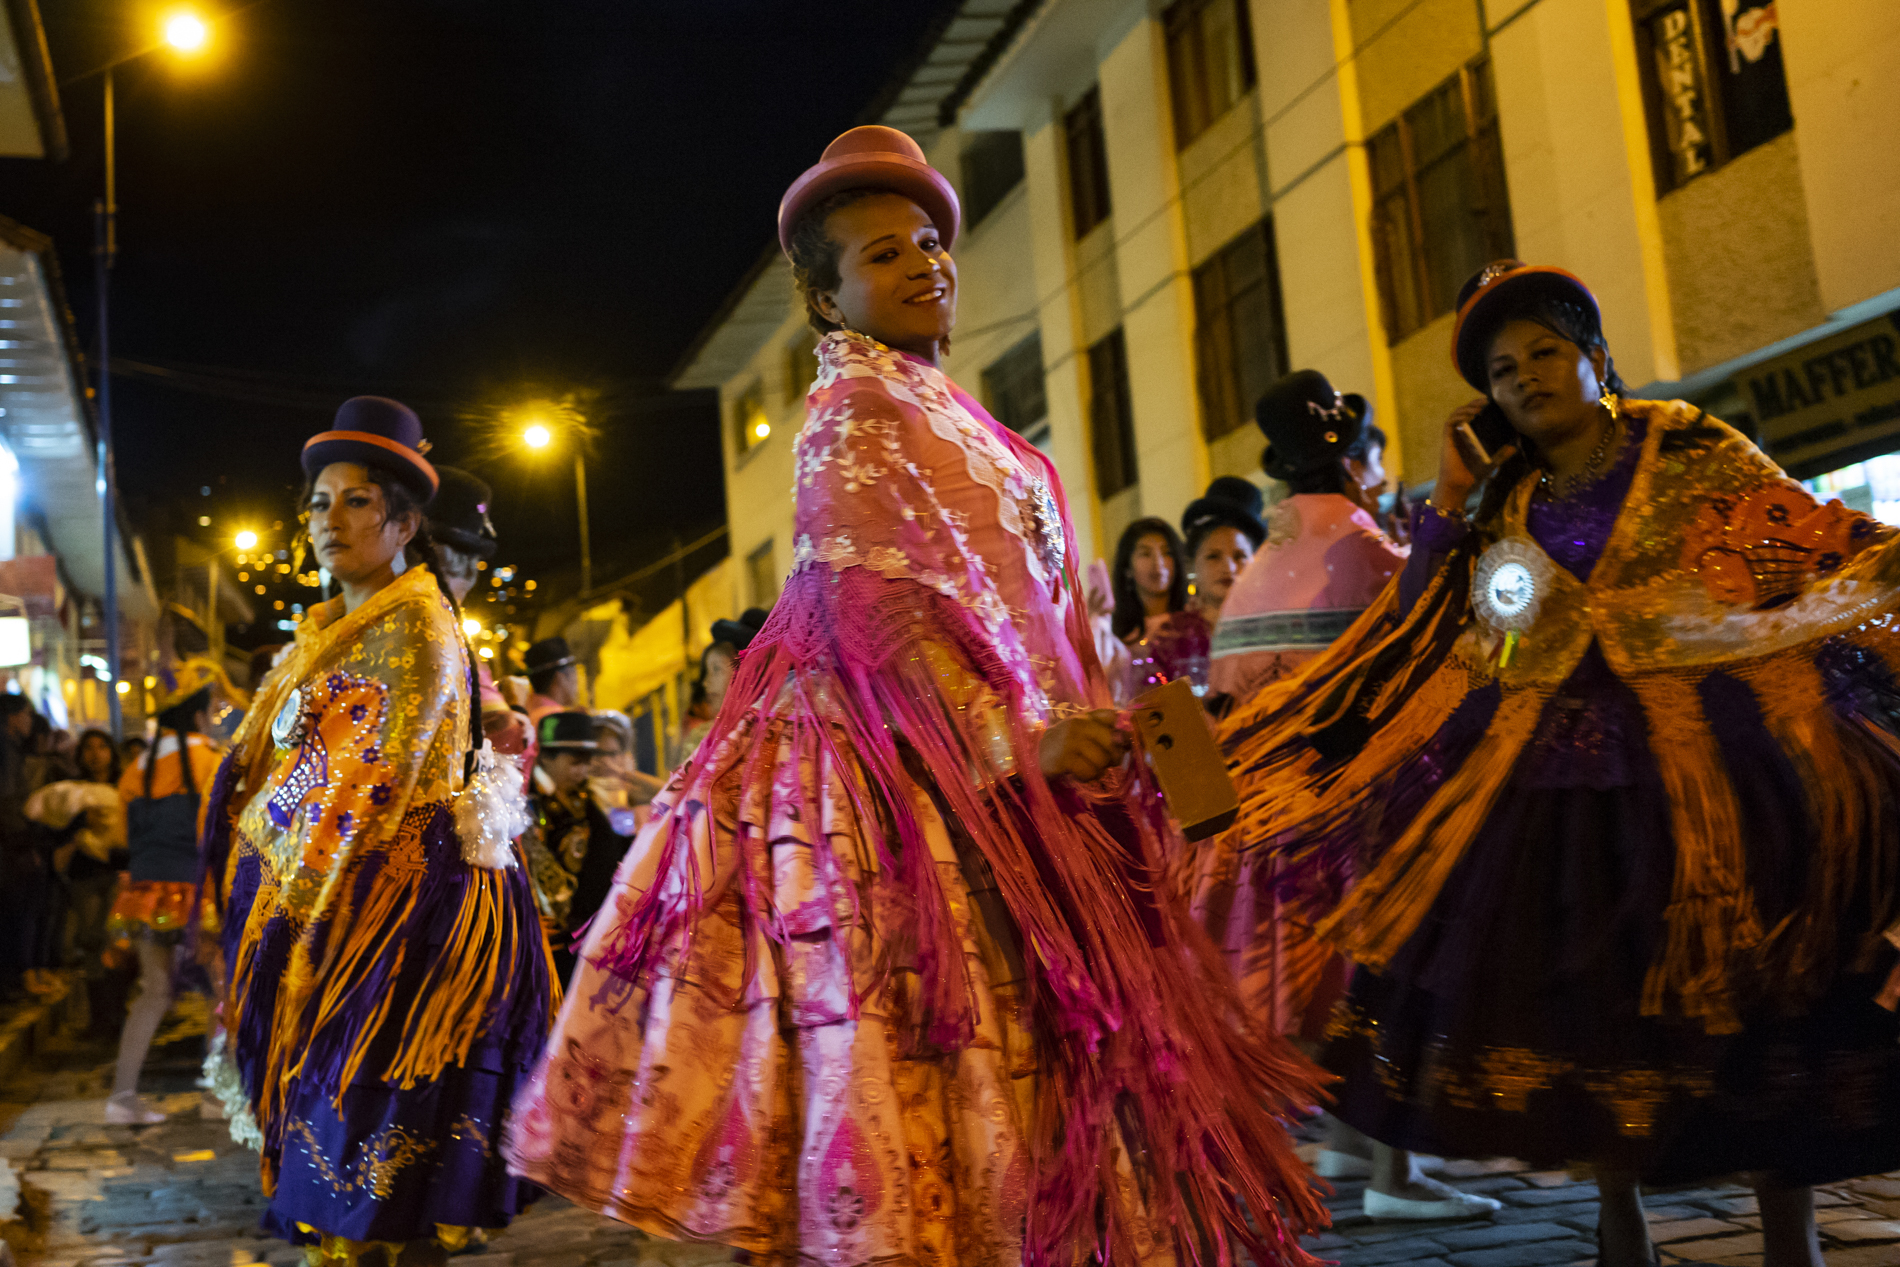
<point>537,436</point>
<point>186,33</point>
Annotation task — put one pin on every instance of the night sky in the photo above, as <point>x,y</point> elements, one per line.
<point>460,203</point>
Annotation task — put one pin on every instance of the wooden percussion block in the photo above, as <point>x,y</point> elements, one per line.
<point>1178,741</point>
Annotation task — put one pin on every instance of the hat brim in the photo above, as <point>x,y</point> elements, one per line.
<point>1476,318</point>
<point>734,632</point>
<point>468,542</point>
<point>919,182</point>
<point>531,669</point>
<point>368,449</point>
<point>1225,515</point>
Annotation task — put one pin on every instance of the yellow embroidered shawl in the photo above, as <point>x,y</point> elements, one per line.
<point>1716,561</point>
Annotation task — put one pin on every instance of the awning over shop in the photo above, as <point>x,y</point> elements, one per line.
<point>46,420</point>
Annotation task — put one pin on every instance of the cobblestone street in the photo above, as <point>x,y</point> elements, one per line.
<point>183,1195</point>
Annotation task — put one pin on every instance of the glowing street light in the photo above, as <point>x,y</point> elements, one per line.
<point>537,437</point>
<point>471,626</point>
<point>187,32</point>
<point>245,540</point>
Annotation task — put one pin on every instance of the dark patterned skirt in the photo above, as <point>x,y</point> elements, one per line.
<point>1509,1024</point>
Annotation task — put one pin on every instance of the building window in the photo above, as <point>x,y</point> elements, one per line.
<point>1210,62</point>
<point>1088,162</point>
<point>1240,335</point>
<point>750,426</point>
<point>992,166</point>
<point>1440,210</point>
<point>1713,82</point>
<point>801,366</point>
<point>762,576</point>
<point>1111,416</point>
<point>1013,387</point>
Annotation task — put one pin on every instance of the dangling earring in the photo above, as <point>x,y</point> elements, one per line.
<point>1610,401</point>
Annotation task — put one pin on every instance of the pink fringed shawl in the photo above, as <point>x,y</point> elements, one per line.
<point>933,619</point>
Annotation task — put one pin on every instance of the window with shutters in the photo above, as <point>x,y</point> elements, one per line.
<point>1088,162</point>
<point>1440,208</point>
<point>1210,62</point>
<point>1239,332</point>
<point>1111,416</point>
<point>1013,389</point>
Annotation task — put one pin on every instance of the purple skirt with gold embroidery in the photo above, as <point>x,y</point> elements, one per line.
<point>1510,1023</point>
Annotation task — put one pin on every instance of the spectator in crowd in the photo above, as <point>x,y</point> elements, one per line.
<point>574,846</point>
<point>1148,586</point>
<point>83,823</point>
<point>21,876</point>
<point>554,675</point>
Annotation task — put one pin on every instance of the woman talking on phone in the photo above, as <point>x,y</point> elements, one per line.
<point>1617,768</point>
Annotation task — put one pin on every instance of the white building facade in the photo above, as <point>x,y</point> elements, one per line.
<point>1168,205</point>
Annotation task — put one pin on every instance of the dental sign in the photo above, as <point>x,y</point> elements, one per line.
<point>1685,92</point>
<point>1831,402</point>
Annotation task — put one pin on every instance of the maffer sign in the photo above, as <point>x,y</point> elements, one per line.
<point>1832,402</point>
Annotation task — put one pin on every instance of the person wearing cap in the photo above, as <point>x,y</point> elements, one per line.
<point>166,795</point>
<point>389,984</point>
<point>1222,529</point>
<point>1324,562</point>
<point>575,843</point>
<point>1625,824</point>
<point>896,931</point>
<point>554,676</point>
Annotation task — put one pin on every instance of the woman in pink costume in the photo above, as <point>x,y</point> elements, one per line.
<point>889,976</point>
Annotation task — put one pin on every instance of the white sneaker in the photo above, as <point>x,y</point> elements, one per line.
<point>1332,1164</point>
<point>1460,1205</point>
<point>127,1108</point>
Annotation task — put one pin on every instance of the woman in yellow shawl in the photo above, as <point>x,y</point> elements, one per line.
<point>1617,765</point>
<point>390,985</point>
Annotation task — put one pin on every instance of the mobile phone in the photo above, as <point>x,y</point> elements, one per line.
<point>1488,433</point>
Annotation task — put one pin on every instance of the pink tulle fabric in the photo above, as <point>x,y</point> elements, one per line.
<point>868,988</point>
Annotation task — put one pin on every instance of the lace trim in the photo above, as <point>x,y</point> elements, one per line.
<point>845,354</point>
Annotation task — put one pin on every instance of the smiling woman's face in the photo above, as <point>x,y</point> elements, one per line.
<point>897,282</point>
<point>351,530</point>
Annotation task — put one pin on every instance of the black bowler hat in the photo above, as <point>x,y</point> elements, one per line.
<point>742,631</point>
<point>549,653</point>
<point>1488,292</point>
<point>1230,502</point>
<point>459,514</point>
<point>375,431</point>
<point>570,731</point>
<point>1308,424</point>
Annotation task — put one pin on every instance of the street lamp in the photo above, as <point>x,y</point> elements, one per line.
<point>537,435</point>
<point>186,33</point>
<point>245,540</point>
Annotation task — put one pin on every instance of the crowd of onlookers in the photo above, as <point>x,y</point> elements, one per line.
<point>1156,607</point>
<point>62,846</point>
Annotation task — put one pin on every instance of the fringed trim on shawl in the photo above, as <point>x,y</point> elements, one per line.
<point>1711,915</point>
<point>350,970</point>
<point>1131,1005</point>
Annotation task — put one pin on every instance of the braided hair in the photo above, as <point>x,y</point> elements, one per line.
<point>1568,320</point>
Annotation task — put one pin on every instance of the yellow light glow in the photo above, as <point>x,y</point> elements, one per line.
<point>278,605</point>
<point>245,540</point>
<point>761,430</point>
<point>150,681</point>
<point>487,653</point>
<point>123,688</point>
<point>260,589</point>
<point>187,32</point>
<point>537,436</point>
<point>529,584</point>
<point>472,627</point>
<point>204,521</point>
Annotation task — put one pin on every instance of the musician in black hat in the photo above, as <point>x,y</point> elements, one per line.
<point>464,539</point>
<point>555,677</point>
<point>572,848</point>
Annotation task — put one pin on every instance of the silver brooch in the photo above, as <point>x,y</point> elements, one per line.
<point>286,729</point>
